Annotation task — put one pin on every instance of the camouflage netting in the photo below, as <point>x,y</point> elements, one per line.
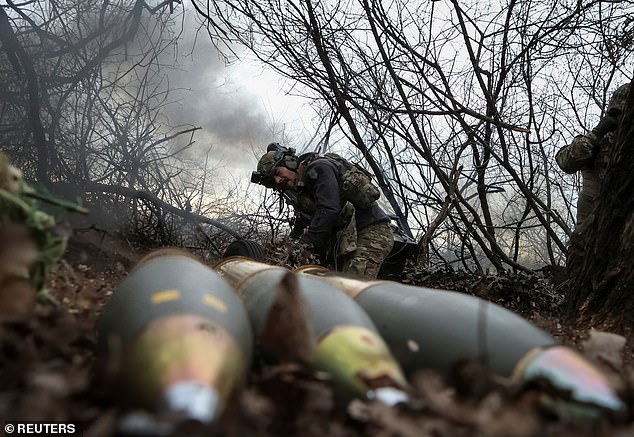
<point>30,246</point>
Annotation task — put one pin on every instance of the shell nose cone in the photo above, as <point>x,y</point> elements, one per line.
<point>388,395</point>
<point>567,370</point>
<point>196,401</point>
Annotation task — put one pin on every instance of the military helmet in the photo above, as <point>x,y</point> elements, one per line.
<point>617,102</point>
<point>267,163</point>
<point>276,158</point>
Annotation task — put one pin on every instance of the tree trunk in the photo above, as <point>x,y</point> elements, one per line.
<point>601,270</point>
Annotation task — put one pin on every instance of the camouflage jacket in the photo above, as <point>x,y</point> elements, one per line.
<point>324,211</point>
<point>590,155</point>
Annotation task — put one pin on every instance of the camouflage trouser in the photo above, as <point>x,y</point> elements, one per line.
<point>576,253</point>
<point>374,243</point>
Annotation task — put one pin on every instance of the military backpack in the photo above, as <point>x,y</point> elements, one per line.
<point>356,182</point>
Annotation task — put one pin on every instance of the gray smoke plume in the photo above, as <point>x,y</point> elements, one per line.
<point>234,121</point>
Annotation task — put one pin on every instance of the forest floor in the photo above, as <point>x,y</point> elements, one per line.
<point>48,367</point>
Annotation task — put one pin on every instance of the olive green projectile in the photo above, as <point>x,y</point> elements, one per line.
<point>346,343</point>
<point>434,329</point>
<point>179,334</point>
<point>427,328</point>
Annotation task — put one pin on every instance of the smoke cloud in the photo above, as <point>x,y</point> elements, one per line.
<point>234,120</point>
<point>240,107</point>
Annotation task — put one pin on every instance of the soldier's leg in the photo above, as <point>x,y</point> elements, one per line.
<point>374,243</point>
<point>576,253</point>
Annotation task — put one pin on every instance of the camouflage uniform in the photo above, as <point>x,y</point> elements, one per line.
<point>590,154</point>
<point>356,239</point>
<point>374,243</point>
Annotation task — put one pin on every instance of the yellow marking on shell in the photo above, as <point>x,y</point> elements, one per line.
<point>347,352</point>
<point>215,303</point>
<point>165,296</point>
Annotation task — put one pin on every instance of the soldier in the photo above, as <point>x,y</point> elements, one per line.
<point>338,218</point>
<point>590,154</point>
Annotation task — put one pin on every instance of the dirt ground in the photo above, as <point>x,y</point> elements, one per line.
<point>49,370</point>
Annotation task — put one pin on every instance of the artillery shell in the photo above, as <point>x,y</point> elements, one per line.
<point>180,335</point>
<point>434,329</point>
<point>346,343</point>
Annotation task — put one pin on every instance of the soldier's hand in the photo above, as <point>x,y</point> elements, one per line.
<point>302,254</point>
<point>296,232</point>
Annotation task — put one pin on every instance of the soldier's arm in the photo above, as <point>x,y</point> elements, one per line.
<point>581,152</point>
<point>300,223</point>
<point>325,188</point>
<point>578,154</point>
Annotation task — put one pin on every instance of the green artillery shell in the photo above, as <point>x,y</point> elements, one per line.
<point>427,328</point>
<point>347,344</point>
<point>180,334</point>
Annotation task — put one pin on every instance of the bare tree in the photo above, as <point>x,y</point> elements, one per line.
<point>56,51</point>
<point>84,93</point>
<point>457,107</point>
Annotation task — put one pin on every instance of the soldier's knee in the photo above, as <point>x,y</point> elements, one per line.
<point>362,267</point>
